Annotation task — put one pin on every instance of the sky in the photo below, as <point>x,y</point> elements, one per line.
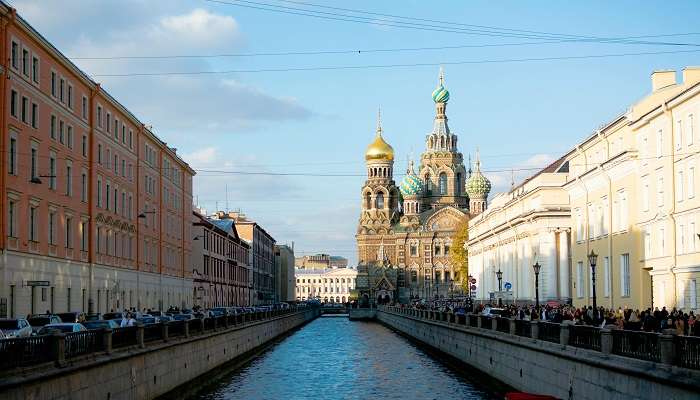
<point>522,105</point>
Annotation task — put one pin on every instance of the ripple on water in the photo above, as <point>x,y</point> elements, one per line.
<point>334,358</point>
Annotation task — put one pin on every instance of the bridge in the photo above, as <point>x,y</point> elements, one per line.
<point>334,311</point>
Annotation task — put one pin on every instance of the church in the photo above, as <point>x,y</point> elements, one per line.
<point>405,232</point>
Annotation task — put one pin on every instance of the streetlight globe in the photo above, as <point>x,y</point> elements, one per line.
<point>592,258</point>
<point>536,268</point>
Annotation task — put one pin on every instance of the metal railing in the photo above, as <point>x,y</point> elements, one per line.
<point>634,344</point>
<point>86,342</point>
<point>548,331</point>
<point>688,351</point>
<point>123,337</point>
<point>586,337</point>
<point>522,328</point>
<point>21,352</point>
<point>503,325</point>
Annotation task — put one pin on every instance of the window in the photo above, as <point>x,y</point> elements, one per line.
<point>83,236</point>
<point>52,128</point>
<point>414,250</point>
<point>605,215</point>
<point>69,180</point>
<point>52,227</point>
<point>35,115</point>
<point>131,137</point>
<point>13,103</point>
<point>53,83</point>
<point>579,225</point>
<point>33,220</point>
<point>691,182</point>
<point>591,221</point>
<point>380,201</point>
<point>33,165</point>
<point>680,243</point>
<point>692,294</point>
<point>35,70</point>
<point>62,90</point>
<point>99,116</point>
<point>52,171</point>
<point>70,137</point>
<point>25,62</point>
<point>660,190</point>
<point>70,96</point>
<point>625,275</point>
<point>83,145</point>
<point>659,143</point>
<point>579,279</point>
<point>83,187</point>
<point>116,129</point>
<point>645,194</point>
<point>116,164</point>
<point>647,244</point>
<point>606,276</point>
<point>25,110</point>
<point>84,108</point>
<point>437,249</point>
<point>123,134</point>
<point>693,237</point>
<point>428,185</point>
<point>12,167</point>
<point>679,134</point>
<point>443,183</point>
<point>69,233</point>
<point>61,132</point>
<point>662,242</point>
<point>107,194</point>
<point>99,153</point>
<point>109,122</point>
<point>11,215</point>
<point>690,132</point>
<point>99,192</point>
<point>15,55</point>
<point>679,186</point>
<point>116,193</point>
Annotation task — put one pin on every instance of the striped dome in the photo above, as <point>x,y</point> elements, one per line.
<point>411,184</point>
<point>441,95</point>
<point>477,185</point>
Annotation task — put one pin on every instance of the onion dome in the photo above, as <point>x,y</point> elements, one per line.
<point>379,149</point>
<point>440,94</point>
<point>477,185</point>
<point>411,184</point>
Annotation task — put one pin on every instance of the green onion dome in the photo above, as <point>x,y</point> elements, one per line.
<point>477,185</point>
<point>441,95</point>
<point>411,184</point>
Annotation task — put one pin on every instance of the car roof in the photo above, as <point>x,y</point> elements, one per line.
<point>63,324</point>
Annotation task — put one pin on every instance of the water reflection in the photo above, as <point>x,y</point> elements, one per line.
<point>333,358</point>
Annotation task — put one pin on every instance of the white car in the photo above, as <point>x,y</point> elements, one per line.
<point>62,327</point>
<point>15,327</point>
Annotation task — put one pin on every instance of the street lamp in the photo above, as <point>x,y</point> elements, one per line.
<point>592,258</point>
<point>536,268</point>
<point>143,214</point>
<point>499,275</point>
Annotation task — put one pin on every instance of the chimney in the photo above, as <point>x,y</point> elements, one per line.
<point>662,78</point>
<point>691,75</point>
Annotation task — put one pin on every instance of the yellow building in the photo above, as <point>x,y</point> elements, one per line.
<point>633,201</point>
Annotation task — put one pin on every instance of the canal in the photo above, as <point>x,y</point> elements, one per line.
<point>335,358</point>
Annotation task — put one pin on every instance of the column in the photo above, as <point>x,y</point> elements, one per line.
<point>564,274</point>
<point>550,248</point>
<point>528,281</point>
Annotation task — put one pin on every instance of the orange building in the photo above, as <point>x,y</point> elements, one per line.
<point>95,208</point>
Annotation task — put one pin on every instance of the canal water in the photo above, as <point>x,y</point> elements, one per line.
<point>334,358</point>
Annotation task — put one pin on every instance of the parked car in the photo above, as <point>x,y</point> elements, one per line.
<point>183,317</point>
<point>493,312</point>
<point>164,318</point>
<point>39,321</point>
<point>113,315</point>
<point>73,316</point>
<point>93,317</point>
<point>219,311</point>
<point>61,327</point>
<point>101,324</point>
<point>148,320</point>
<point>155,313</point>
<point>17,327</point>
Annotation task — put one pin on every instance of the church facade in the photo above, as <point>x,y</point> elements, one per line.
<point>405,231</point>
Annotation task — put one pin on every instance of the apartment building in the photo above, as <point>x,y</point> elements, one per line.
<point>93,211</point>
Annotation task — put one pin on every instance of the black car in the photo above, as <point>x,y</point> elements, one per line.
<point>71,317</point>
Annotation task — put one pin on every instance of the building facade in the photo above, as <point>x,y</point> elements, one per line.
<point>261,257</point>
<point>95,210</point>
<point>405,232</point>
<point>320,261</point>
<point>529,224</point>
<point>284,266</point>
<point>221,275</point>
<point>332,285</point>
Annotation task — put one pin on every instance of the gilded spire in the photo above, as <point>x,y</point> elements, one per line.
<point>379,121</point>
<point>379,149</point>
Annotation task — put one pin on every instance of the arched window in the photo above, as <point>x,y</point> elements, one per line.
<point>443,183</point>
<point>458,184</point>
<point>380,200</point>
<point>368,201</point>
<point>428,185</point>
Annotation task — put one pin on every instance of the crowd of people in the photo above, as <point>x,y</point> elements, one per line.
<point>657,320</point>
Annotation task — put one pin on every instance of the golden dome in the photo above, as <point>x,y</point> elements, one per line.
<point>379,150</point>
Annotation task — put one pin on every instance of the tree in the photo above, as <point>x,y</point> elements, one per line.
<point>458,252</point>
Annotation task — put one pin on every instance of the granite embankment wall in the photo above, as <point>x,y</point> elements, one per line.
<point>146,373</point>
<point>543,367</point>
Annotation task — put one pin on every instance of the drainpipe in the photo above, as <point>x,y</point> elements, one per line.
<point>609,221</point>
<point>3,123</point>
<point>583,185</point>
<point>672,209</point>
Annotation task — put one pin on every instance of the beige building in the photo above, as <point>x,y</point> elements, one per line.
<point>530,223</point>
<point>284,276</point>
<point>327,285</point>
<point>320,261</point>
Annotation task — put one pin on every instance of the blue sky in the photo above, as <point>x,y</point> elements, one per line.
<point>519,114</point>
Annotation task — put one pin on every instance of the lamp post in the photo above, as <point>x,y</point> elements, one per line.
<point>536,268</point>
<point>499,276</point>
<point>592,258</point>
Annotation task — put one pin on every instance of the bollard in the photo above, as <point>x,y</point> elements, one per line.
<point>534,330</point>
<point>479,321</point>
<point>667,349</point>
<point>606,342</point>
<point>58,348</point>
<point>164,331</point>
<point>564,332</point>
<point>139,336</point>
<point>511,326</point>
<point>107,340</point>
<point>187,328</point>
<point>494,323</point>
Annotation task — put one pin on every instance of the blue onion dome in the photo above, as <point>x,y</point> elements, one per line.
<point>440,94</point>
<point>477,185</point>
<point>411,184</point>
